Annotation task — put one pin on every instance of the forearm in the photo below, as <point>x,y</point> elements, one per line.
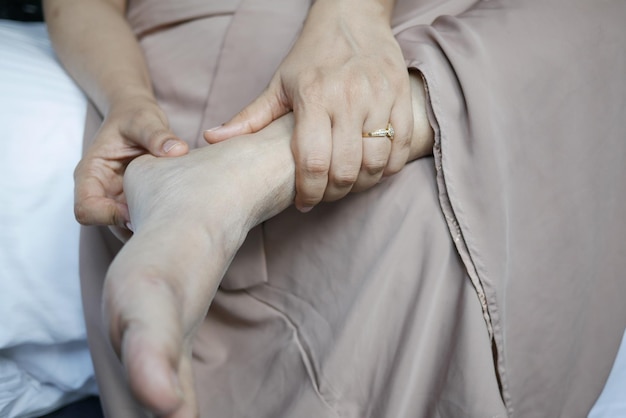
<point>97,47</point>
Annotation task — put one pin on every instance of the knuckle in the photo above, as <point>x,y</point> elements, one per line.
<point>85,167</point>
<point>403,135</point>
<point>309,87</point>
<point>114,218</point>
<point>309,199</point>
<point>403,142</point>
<point>380,83</point>
<point>392,169</point>
<point>88,214</point>
<point>333,194</point>
<point>80,213</point>
<point>311,96</point>
<point>344,177</point>
<point>314,89</point>
<point>315,165</point>
<point>396,164</point>
<point>365,183</point>
<point>374,165</point>
<point>354,86</point>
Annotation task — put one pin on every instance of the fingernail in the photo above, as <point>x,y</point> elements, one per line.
<point>129,227</point>
<point>170,144</point>
<point>305,209</point>
<point>215,128</point>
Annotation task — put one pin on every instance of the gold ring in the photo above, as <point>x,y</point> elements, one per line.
<point>382,133</point>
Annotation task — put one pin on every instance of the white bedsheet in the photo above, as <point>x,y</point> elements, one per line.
<point>612,401</point>
<point>44,360</point>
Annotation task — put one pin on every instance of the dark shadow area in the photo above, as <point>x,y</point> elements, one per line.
<point>84,408</point>
<point>22,10</point>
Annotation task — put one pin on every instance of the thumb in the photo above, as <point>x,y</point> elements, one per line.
<point>150,132</point>
<point>266,108</point>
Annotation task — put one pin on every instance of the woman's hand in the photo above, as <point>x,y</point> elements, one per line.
<point>100,51</point>
<point>344,76</point>
<point>132,127</point>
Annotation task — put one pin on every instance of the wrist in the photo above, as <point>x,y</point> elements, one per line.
<point>130,98</point>
<point>422,140</point>
<point>124,94</point>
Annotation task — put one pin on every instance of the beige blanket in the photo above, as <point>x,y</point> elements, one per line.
<point>487,281</point>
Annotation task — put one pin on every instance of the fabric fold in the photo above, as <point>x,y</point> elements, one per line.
<point>147,16</point>
<point>527,144</point>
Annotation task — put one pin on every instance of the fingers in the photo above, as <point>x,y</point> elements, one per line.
<point>312,146</point>
<point>401,118</point>
<point>376,150</point>
<point>266,108</point>
<point>95,210</point>
<point>384,156</point>
<point>332,157</point>
<point>347,153</point>
<point>355,162</point>
<point>126,133</point>
<point>96,190</point>
<point>352,161</point>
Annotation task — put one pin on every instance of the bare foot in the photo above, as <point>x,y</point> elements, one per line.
<point>190,215</point>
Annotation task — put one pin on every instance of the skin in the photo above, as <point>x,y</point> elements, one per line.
<point>344,76</point>
<point>161,284</point>
<point>97,47</point>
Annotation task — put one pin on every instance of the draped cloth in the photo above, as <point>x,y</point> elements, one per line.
<point>486,281</point>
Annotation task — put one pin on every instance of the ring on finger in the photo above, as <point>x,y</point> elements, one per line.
<point>382,133</point>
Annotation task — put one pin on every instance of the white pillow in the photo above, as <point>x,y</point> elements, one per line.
<point>44,360</point>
